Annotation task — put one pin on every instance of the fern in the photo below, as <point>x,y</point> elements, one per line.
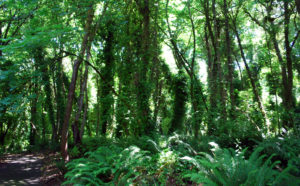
<point>122,167</point>
<point>230,168</point>
<point>173,160</point>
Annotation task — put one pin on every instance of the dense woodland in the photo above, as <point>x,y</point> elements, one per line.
<point>154,92</point>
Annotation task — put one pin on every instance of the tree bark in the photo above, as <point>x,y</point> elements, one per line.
<point>86,73</point>
<point>143,92</point>
<point>230,64</point>
<point>289,63</point>
<point>288,54</point>
<point>298,5</point>
<point>84,119</point>
<point>76,131</point>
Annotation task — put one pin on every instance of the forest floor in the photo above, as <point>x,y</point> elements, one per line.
<point>28,169</point>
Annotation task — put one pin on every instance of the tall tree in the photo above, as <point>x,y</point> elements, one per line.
<point>77,63</point>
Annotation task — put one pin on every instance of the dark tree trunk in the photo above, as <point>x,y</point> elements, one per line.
<point>298,5</point>
<point>98,107</point>
<point>230,65</point>
<point>288,54</point>
<point>143,92</point>
<point>60,106</point>
<point>33,112</point>
<point>107,100</point>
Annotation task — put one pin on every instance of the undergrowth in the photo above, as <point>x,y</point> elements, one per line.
<point>175,160</point>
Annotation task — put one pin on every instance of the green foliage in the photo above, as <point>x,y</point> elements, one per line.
<point>108,165</point>
<point>74,152</point>
<point>166,125</point>
<point>287,150</point>
<point>227,167</point>
<point>173,160</point>
<point>180,99</point>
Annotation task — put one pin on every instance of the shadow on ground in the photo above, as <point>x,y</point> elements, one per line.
<point>20,170</point>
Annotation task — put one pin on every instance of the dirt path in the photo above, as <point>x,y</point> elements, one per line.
<point>21,169</point>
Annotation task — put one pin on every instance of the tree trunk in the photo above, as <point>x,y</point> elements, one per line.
<point>98,107</point>
<point>60,106</point>
<point>298,5</point>
<point>107,100</point>
<point>288,54</point>
<point>43,65</point>
<point>84,119</point>
<point>33,112</point>
<point>230,64</point>
<point>143,92</point>
<point>254,88</point>
<point>77,63</point>
<point>76,131</point>
<point>86,73</point>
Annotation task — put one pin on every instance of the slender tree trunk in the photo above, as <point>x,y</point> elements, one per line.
<point>86,73</point>
<point>43,120</point>
<point>60,106</point>
<point>230,64</point>
<point>156,66</point>
<point>75,126</point>
<point>33,112</point>
<point>77,63</point>
<point>285,87</point>
<point>84,119</point>
<point>288,55</point>
<point>254,88</point>
<point>98,107</point>
<point>211,70</point>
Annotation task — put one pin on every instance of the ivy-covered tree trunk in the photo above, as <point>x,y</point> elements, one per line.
<point>125,74</point>
<point>43,65</point>
<point>145,125</point>
<point>217,96</point>
<point>180,98</point>
<point>107,83</point>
